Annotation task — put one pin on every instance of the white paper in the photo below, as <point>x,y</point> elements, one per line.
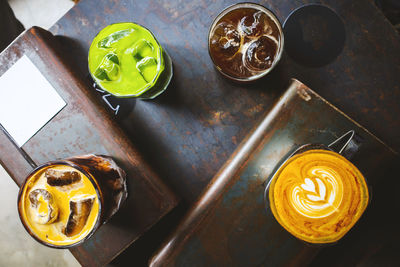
<point>27,100</point>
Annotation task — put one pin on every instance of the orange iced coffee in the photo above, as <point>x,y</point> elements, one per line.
<point>59,205</point>
<point>318,196</point>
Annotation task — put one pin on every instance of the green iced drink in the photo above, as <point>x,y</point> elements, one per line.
<point>126,60</point>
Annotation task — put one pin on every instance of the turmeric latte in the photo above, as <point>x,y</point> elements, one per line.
<point>318,196</point>
<point>59,205</point>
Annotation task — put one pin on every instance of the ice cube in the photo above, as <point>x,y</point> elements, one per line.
<point>61,178</point>
<point>43,208</point>
<point>226,39</point>
<point>147,67</point>
<point>108,70</point>
<point>142,49</point>
<point>79,213</point>
<point>260,54</point>
<point>112,38</point>
<point>255,25</point>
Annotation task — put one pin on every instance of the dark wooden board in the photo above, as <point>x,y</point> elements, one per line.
<point>189,131</point>
<point>83,127</point>
<point>230,224</point>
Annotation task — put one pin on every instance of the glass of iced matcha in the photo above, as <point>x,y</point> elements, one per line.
<point>126,60</point>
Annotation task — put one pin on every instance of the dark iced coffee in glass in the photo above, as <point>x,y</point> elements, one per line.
<point>245,41</point>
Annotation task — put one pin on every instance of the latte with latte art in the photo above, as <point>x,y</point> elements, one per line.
<point>318,196</point>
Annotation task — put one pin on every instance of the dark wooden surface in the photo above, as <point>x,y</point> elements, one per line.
<point>189,131</point>
<point>82,127</point>
<point>231,225</point>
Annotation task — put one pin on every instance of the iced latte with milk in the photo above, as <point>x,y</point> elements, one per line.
<point>62,203</point>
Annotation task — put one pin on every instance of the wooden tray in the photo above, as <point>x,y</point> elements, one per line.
<point>230,225</point>
<point>84,127</point>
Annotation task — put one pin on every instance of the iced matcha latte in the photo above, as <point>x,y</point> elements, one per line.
<point>126,60</point>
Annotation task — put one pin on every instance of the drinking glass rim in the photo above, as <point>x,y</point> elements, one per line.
<point>274,19</point>
<point>91,179</point>
<point>158,74</point>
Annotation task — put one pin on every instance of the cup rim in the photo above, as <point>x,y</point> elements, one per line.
<point>274,19</point>
<point>154,81</point>
<point>300,150</point>
<point>91,179</point>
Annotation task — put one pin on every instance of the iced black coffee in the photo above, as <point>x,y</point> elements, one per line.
<point>245,41</point>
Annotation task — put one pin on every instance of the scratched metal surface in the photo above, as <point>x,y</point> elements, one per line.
<point>230,225</point>
<point>84,126</point>
<point>189,131</point>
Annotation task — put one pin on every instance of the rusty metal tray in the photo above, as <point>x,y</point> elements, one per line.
<point>83,126</point>
<point>230,225</point>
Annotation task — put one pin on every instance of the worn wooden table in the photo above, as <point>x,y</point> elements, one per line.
<point>82,127</point>
<point>188,132</point>
<point>232,225</point>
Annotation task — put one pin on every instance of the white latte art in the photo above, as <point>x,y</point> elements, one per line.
<point>320,195</point>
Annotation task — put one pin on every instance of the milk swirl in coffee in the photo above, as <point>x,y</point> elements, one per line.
<point>319,196</point>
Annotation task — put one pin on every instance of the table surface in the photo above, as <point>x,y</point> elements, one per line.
<point>189,131</point>
<point>82,127</point>
<point>231,224</point>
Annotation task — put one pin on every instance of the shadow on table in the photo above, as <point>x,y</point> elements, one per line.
<point>74,53</point>
<point>139,253</point>
<point>118,107</point>
<point>374,239</point>
<point>10,27</point>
